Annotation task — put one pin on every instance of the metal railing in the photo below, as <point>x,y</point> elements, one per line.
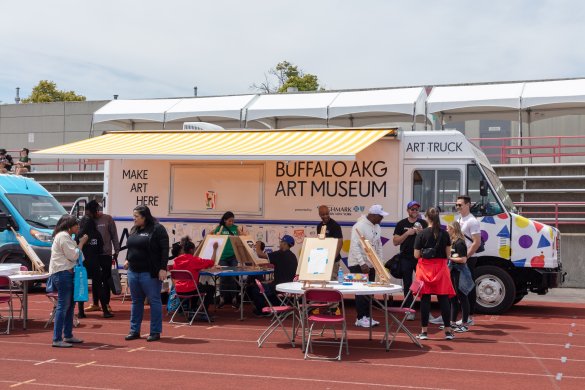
<point>60,164</point>
<point>556,213</point>
<point>515,149</point>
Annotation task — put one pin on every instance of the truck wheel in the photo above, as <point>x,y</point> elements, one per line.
<point>518,298</point>
<point>495,290</point>
<point>16,258</point>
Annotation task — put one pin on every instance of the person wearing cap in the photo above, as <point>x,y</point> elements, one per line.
<point>369,227</point>
<point>107,229</point>
<point>333,230</point>
<point>404,235</point>
<point>285,266</point>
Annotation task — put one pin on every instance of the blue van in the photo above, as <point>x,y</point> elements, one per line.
<point>33,212</point>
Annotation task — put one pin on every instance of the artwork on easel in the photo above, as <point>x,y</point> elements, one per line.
<point>205,249</point>
<point>36,263</point>
<point>245,251</point>
<point>316,260</point>
<point>382,275</point>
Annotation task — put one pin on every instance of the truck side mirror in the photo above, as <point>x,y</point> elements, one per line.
<point>5,222</point>
<point>483,188</point>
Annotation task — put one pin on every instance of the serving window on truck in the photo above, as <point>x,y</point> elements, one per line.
<point>436,187</point>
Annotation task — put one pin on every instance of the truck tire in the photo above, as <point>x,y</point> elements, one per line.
<point>10,257</point>
<point>495,290</point>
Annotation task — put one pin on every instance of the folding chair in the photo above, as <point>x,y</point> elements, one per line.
<point>53,298</point>
<point>6,297</point>
<point>177,275</point>
<point>279,314</point>
<point>395,312</point>
<point>328,297</point>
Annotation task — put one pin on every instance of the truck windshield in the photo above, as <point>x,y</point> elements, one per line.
<point>39,211</point>
<point>500,189</point>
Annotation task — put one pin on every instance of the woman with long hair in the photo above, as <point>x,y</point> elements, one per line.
<point>431,247</point>
<point>228,285</point>
<point>64,255</point>
<point>146,262</point>
<point>460,276</point>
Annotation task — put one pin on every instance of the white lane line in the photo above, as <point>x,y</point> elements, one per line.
<point>568,345</point>
<point>23,383</point>
<point>85,364</point>
<point>559,376</point>
<point>563,359</point>
<point>136,349</point>
<point>98,347</point>
<point>46,361</point>
<point>179,337</point>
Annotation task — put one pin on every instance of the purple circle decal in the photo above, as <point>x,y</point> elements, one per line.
<point>525,241</point>
<point>484,235</point>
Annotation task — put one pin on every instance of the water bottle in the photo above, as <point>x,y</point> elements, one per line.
<point>340,276</point>
<point>417,225</point>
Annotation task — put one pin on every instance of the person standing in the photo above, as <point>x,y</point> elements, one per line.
<point>64,255</point>
<point>146,262</point>
<point>285,266</point>
<point>431,247</point>
<point>111,247</point>
<point>333,230</point>
<point>369,227</point>
<point>460,276</point>
<point>404,235</point>
<point>228,285</point>
<point>472,232</point>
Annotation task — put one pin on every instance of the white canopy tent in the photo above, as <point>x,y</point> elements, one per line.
<point>559,93</point>
<point>134,110</point>
<point>230,107</point>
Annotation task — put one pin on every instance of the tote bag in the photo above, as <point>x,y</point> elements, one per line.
<point>80,289</point>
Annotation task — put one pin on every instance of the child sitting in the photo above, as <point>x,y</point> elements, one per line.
<point>188,262</point>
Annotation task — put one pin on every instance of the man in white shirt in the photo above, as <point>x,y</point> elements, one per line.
<point>472,231</point>
<point>369,227</point>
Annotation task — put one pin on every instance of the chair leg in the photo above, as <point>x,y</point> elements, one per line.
<point>309,342</point>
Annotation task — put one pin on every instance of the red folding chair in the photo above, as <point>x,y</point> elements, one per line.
<point>185,275</point>
<point>6,297</point>
<point>279,314</point>
<point>327,297</point>
<point>396,312</point>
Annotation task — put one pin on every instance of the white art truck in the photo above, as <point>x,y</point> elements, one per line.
<point>274,181</point>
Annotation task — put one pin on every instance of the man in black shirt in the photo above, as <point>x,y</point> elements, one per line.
<point>333,230</point>
<point>404,235</point>
<point>285,267</point>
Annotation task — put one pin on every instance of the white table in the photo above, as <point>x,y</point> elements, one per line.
<point>25,280</point>
<point>296,288</point>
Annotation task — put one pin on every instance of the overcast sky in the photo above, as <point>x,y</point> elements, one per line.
<point>154,48</point>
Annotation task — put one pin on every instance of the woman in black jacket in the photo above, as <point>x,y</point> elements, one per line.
<point>146,262</point>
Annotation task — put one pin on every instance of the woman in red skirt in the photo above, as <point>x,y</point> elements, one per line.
<point>431,247</point>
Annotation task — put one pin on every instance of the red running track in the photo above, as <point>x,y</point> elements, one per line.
<point>533,346</point>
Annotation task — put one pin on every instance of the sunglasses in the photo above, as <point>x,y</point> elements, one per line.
<point>414,209</point>
<point>458,205</point>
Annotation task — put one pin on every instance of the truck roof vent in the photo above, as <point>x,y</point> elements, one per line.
<point>201,126</point>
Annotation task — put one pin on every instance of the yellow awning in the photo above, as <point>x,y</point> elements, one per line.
<point>306,144</point>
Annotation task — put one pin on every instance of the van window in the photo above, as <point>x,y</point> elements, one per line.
<point>490,204</point>
<point>436,187</point>
<point>39,211</point>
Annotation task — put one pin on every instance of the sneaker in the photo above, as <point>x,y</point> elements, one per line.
<point>422,336</point>
<point>436,320</point>
<point>108,314</point>
<point>73,340</point>
<point>61,344</point>
<point>153,337</point>
<point>461,329</point>
<point>364,322</point>
<point>469,322</point>
<point>132,336</point>
<point>109,308</point>
<point>449,336</point>
<point>91,308</point>
<point>410,317</point>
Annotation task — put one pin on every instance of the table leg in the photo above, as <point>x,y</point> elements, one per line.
<point>302,313</point>
<point>386,321</point>
<point>241,279</point>
<point>371,299</point>
<point>24,303</point>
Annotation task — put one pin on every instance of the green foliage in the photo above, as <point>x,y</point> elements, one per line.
<point>46,91</point>
<point>288,75</point>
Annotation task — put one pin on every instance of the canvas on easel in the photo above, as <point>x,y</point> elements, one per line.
<point>316,260</point>
<point>245,251</point>
<point>382,275</point>
<point>205,250</point>
<point>36,263</point>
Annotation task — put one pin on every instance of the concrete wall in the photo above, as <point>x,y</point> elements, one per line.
<point>39,126</point>
<point>573,258</point>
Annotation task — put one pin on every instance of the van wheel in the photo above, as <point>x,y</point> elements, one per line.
<point>495,290</point>
<point>16,258</point>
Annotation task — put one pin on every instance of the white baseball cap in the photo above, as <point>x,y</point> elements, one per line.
<point>378,210</point>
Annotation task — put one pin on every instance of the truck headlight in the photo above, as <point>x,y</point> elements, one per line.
<point>41,236</point>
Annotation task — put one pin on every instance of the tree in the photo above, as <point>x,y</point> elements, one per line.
<point>287,75</point>
<point>46,91</point>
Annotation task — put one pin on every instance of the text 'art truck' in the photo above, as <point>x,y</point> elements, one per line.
<point>274,181</point>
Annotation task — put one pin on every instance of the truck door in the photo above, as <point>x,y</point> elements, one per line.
<point>433,185</point>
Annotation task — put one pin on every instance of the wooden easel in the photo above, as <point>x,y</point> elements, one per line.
<point>209,241</point>
<point>37,265</point>
<point>244,252</point>
<point>309,244</point>
<point>381,272</point>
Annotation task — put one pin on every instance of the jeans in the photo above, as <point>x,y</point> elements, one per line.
<point>228,286</point>
<point>472,296</point>
<point>63,283</point>
<point>408,267</point>
<point>362,303</point>
<point>143,285</point>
